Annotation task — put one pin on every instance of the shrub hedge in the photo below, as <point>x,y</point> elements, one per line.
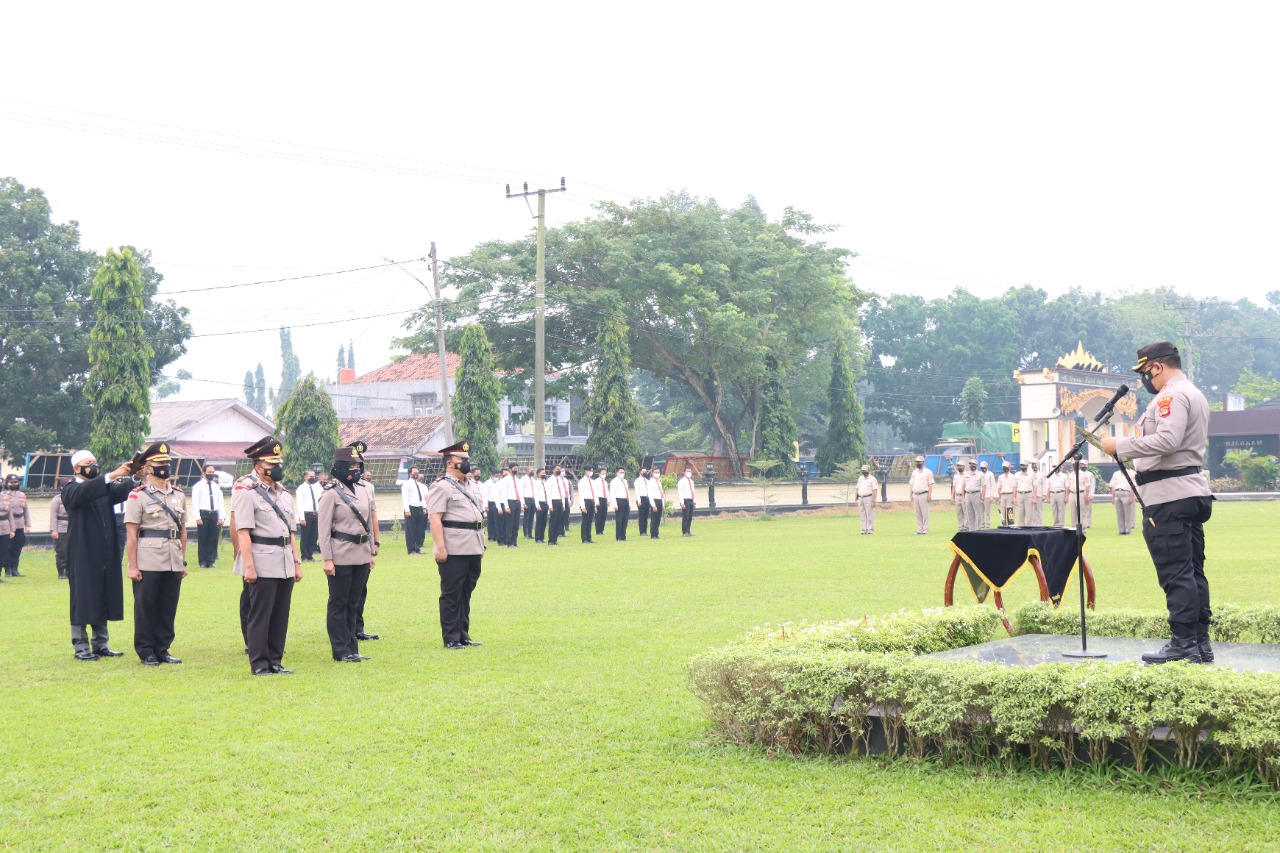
<point>799,688</point>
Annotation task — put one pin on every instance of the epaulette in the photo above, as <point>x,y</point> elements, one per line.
<point>327,486</point>
<point>140,487</point>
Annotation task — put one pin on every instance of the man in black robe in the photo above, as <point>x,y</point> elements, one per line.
<point>94,573</point>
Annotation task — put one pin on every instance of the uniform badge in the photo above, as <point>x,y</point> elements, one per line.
<point>1164,406</point>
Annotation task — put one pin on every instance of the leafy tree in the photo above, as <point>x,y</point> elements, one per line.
<point>973,405</point>
<point>342,358</point>
<point>119,359</point>
<point>1259,473</point>
<point>308,427</point>
<point>476,398</point>
<point>777,428</point>
<point>291,370</point>
<point>1256,388</point>
<point>844,438</point>
<point>611,414</point>
<point>259,391</point>
<point>45,284</point>
<point>707,293</point>
<point>169,387</point>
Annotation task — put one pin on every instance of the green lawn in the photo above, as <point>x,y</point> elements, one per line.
<point>573,727</point>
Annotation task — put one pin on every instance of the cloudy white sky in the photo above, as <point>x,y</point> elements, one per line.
<point>1108,145</point>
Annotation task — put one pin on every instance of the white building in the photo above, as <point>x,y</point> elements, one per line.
<point>217,431</point>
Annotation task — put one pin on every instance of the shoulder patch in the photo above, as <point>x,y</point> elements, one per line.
<point>133,496</point>
<point>1164,405</point>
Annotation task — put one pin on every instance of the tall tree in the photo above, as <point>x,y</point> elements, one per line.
<point>1256,388</point>
<point>260,390</point>
<point>168,387</point>
<point>342,358</point>
<point>777,426</point>
<point>973,408</point>
<point>308,425</point>
<point>845,438</point>
<point>45,284</point>
<point>119,359</point>
<point>611,414</point>
<point>476,398</point>
<point>351,355</point>
<point>250,391</point>
<point>291,370</point>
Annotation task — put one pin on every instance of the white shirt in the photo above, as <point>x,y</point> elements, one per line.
<point>619,490</point>
<point>539,491</point>
<point>585,492</point>
<point>642,487</point>
<point>510,489</point>
<point>207,497</point>
<point>685,488</point>
<point>566,486</point>
<point>1119,483</point>
<point>489,490</point>
<point>655,489</point>
<point>600,489</point>
<point>525,483</point>
<point>412,494</point>
<point>307,497</point>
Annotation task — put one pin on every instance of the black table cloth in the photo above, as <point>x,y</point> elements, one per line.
<point>992,558</point>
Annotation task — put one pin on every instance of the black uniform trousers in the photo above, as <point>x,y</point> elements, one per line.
<point>364,596</point>
<point>686,517</point>
<point>1176,544</point>
<point>268,623</point>
<point>642,515</point>
<point>494,521</point>
<point>4,552</point>
<point>529,511</point>
<point>16,543</point>
<point>155,604</point>
<point>621,516</point>
<point>60,554</point>
<point>415,529</point>
<point>602,513</point>
<point>309,536</point>
<point>588,512</point>
<point>346,589</point>
<point>554,521</point>
<point>540,528</point>
<point>458,578</point>
<point>207,538</point>
<point>655,518</point>
<point>513,523</point>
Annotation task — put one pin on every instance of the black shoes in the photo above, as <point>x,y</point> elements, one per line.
<point>263,672</point>
<point>351,659</point>
<point>1183,646</point>
<point>363,636</point>
<point>279,670</point>
<point>150,660</point>
<point>1202,643</point>
<point>108,652</point>
<point>453,647</point>
<point>470,642</point>
<point>168,658</point>
<point>86,655</point>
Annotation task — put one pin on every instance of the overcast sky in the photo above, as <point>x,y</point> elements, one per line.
<point>1114,146</point>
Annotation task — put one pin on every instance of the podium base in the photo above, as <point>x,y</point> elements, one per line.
<point>1081,653</point>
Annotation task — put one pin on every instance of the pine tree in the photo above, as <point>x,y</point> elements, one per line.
<point>476,398</point>
<point>260,391</point>
<point>291,370</point>
<point>351,355</point>
<point>119,360</point>
<point>250,391</point>
<point>845,440</point>
<point>611,414</point>
<point>778,429</point>
<point>342,359</point>
<point>307,425</point>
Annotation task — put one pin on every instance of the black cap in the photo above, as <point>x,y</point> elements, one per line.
<point>359,447</point>
<point>462,448</point>
<point>265,449</point>
<point>347,454</point>
<point>1159,349</point>
<point>13,478</point>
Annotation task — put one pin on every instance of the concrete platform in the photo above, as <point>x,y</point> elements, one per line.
<point>1036,649</point>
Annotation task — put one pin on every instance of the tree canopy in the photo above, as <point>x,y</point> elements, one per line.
<point>476,398</point>
<point>844,439</point>
<point>308,428</point>
<point>119,360</point>
<point>611,414</point>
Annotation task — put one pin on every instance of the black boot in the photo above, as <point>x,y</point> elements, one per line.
<point>1183,646</point>
<point>1202,640</point>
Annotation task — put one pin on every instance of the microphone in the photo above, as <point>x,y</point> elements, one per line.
<point>1105,411</point>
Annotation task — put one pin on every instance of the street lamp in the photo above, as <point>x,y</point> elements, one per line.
<point>711,484</point>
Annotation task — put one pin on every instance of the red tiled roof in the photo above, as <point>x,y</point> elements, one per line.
<point>391,435</point>
<point>412,367</point>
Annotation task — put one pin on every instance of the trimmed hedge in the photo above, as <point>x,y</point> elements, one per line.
<point>1232,623</point>
<point>819,688</point>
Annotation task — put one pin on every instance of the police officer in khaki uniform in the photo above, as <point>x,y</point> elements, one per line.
<point>1122,498</point>
<point>1168,454</point>
<point>973,486</point>
<point>59,523</point>
<point>957,495</point>
<point>454,510</point>
<point>1080,478</point>
<point>348,538</point>
<point>921,483</point>
<point>267,557</point>
<point>867,487</point>
<point>1007,487</point>
<point>1058,484</point>
<point>1039,494</point>
<point>1025,484</point>
<point>13,503</point>
<point>989,494</point>
<point>155,523</point>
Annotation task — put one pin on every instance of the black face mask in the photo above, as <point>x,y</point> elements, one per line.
<point>348,475</point>
<point>211,477</point>
<point>464,467</point>
<point>13,487</point>
<point>275,472</point>
<point>89,472</point>
<point>161,471</point>
<point>542,476</point>
<point>1147,385</point>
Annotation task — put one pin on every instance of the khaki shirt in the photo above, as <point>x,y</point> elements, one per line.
<point>334,516</point>
<point>15,512</point>
<point>58,519</point>
<point>1025,481</point>
<point>1087,485</point>
<point>973,482</point>
<point>867,486</point>
<point>989,489</point>
<point>457,501</point>
<point>1119,487</point>
<point>1172,433</point>
<point>254,514</point>
<point>1007,484</point>
<point>957,487</point>
<point>921,480</point>
<point>156,554</point>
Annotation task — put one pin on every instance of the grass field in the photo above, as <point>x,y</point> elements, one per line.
<point>572,728</point>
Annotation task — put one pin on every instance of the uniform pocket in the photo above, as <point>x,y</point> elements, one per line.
<point>1168,541</point>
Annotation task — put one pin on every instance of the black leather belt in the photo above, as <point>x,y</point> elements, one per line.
<point>462,525</point>
<point>358,538</point>
<point>278,541</point>
<point>1144,477</point>
<point>159,534</point>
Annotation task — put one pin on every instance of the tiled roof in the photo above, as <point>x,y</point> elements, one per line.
<point>412,367</point>
<point>171,417</point>
<point>386,435</point>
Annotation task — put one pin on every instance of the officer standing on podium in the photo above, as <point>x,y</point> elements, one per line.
<point>456,517</point>
<point>1168,456</point>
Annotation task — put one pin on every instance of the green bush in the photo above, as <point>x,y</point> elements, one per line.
<point>818,688</point>
<point>1255,623</point>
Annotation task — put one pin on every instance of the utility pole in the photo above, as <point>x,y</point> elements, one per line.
<point>1184,308</point>
<point>441,352</point>
<point>539,322</point>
